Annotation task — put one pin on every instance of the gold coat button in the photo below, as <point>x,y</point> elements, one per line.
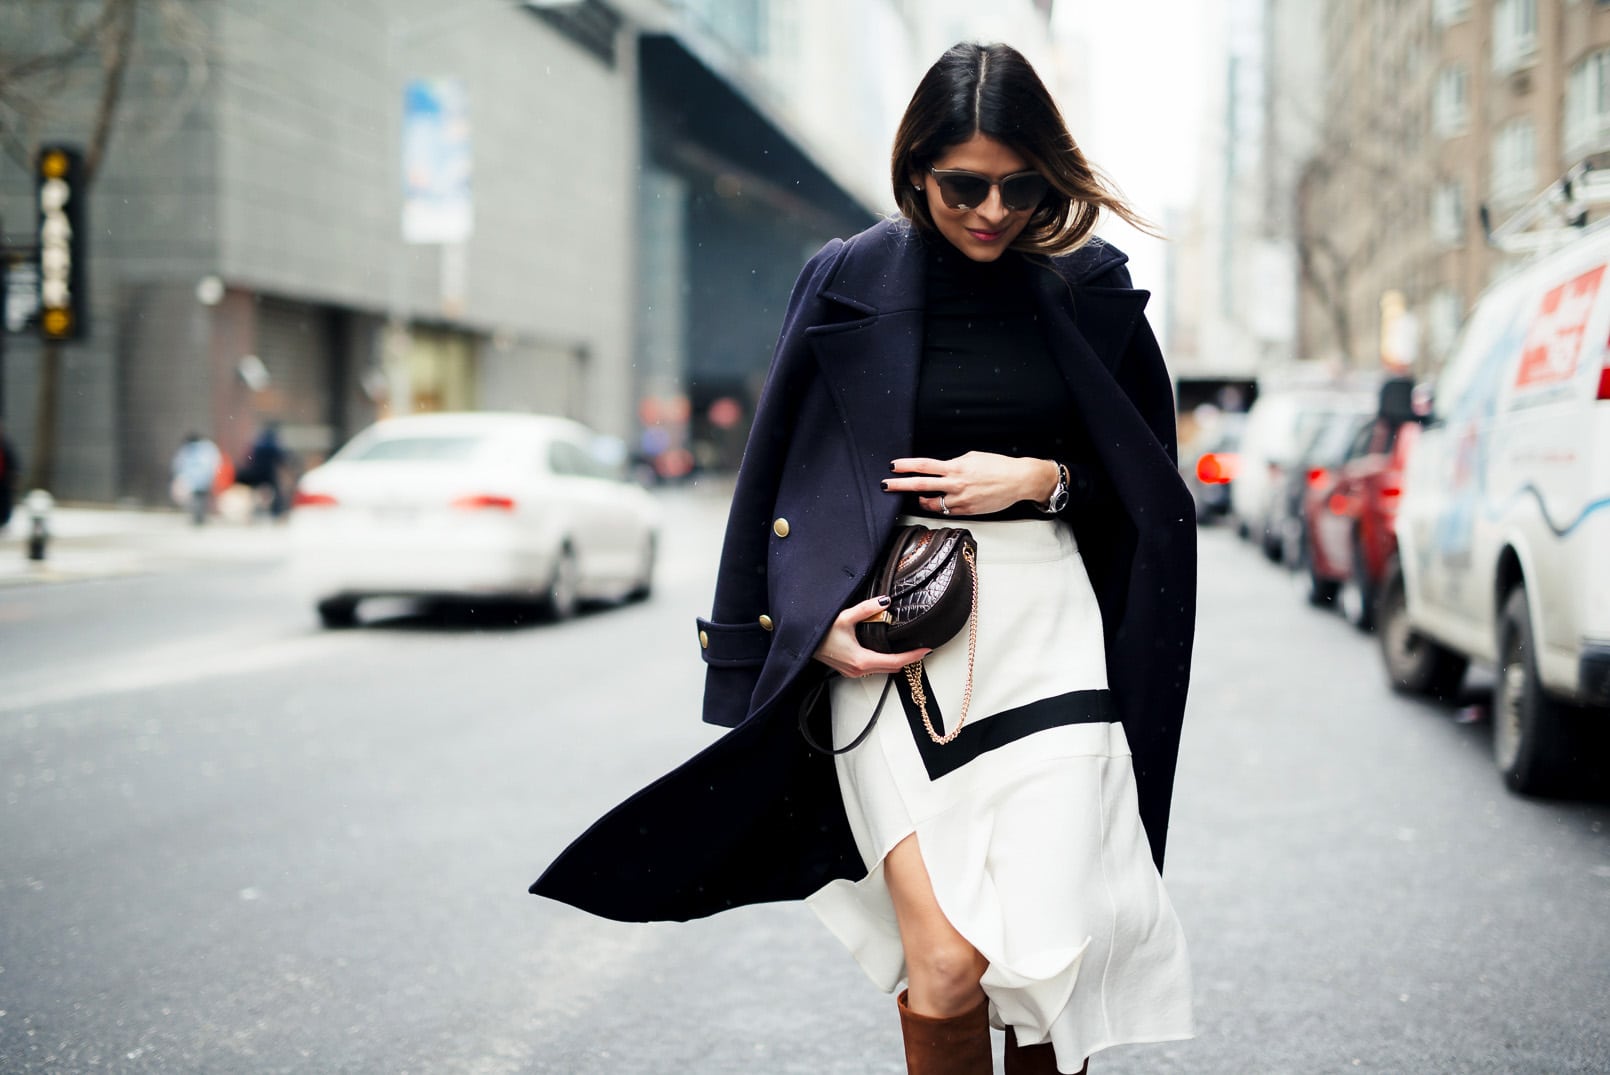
<point>704,639</point>
<point>780,527</point>
<point>766,621</point>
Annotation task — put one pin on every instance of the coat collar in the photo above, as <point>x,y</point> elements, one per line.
<point>880,270</point>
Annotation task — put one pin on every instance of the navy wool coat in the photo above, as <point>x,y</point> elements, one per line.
<point>757,815</point>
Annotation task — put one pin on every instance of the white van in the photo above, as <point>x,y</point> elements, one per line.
<point>1504,522</point>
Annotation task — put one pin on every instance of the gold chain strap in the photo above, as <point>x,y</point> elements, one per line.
<point>914,670</point>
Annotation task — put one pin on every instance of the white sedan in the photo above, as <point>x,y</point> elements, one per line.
<point>514,506</point>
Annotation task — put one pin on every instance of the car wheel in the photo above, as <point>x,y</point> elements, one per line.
<point>1321,592</point>
<point>1529,727</point>
<point>564,589</point>
<point>1271,544</point>
<point>1293,543</point>
<point>1357,604</point>
<point>645,576</point>
<point>338,612</point>
<point>1414,664</point>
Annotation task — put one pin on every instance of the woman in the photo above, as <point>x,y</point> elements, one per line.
<point>981,362</point>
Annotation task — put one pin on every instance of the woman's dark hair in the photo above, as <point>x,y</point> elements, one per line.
<point>992,90</point>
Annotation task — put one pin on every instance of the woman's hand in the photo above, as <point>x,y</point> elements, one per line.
<point>841,651</point>
<point>977,483</point>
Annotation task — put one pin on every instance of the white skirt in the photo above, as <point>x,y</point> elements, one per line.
<point>1028,821</point>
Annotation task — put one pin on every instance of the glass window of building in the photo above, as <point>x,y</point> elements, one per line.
<point>1450,102</point>
<point>1448,213</point>
<point>1514,34</point>
<point>1447,12</point>
<point>1443,314</point>
<point>1587,106</point>
<point>1514,172</point>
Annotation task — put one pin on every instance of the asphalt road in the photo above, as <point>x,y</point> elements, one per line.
<point>233,842</point>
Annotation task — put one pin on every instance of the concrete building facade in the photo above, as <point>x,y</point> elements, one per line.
<point>1442,119</point>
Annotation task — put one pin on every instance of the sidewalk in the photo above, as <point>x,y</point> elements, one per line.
<point>100,542</point>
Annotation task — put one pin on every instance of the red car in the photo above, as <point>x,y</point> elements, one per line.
<point>1350,513</point>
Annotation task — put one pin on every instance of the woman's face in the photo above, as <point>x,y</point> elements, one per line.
<point>982,232</point>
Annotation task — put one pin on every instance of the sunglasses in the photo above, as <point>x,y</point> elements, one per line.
<point>969,190</point>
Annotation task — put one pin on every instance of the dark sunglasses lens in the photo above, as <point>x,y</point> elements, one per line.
<point>963,191</point>
<point>1023,191</point>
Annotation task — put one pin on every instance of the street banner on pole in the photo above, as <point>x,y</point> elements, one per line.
<point>60,197</point>
<point>437,207</point>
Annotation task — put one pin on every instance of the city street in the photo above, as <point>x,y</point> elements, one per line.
<point>234,842</point>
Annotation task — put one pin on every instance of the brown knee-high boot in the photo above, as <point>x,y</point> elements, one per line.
<point>955,1045</point>
<point>1038,1059</point>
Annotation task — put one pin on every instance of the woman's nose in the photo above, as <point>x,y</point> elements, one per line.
<point>993,210</point>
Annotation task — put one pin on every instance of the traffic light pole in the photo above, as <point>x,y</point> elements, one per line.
<point>42,460</point>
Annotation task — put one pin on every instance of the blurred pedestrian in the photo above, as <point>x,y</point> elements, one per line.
<point>981,361</point>
<point>195,470</point>
<point>262,468</point>
<point>8,477</point>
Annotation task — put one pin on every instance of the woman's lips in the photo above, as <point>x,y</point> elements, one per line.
<point>986,236</point>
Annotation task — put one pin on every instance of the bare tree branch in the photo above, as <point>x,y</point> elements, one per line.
<point>189,36</point>
<point>79,42</point>
<point>16,147</point>
<point>115,59</point>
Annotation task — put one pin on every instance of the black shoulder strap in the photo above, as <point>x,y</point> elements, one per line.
<point>815,695</point>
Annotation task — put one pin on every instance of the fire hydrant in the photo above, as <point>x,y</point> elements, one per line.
<point>39,505</point>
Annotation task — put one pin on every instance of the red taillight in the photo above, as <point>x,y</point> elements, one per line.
<point>485,502</point>
<point>1216,468</point>
<point>1604,383</point>
<point>1318,476</point>
<point>312,500</point>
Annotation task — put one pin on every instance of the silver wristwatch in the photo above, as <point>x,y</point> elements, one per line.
<point>1059,496</point>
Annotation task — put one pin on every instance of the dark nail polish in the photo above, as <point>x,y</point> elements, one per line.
<point>884,601</point>
<point>885,487</point>
<point>891,466</point>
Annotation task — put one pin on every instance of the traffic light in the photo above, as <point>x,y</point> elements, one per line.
<point>63,298</point>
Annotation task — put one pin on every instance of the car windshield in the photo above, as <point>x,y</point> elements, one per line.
<point>414,449</point>
<point>1331,441</point>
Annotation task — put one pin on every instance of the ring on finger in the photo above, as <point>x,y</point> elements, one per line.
<point>944,509</point>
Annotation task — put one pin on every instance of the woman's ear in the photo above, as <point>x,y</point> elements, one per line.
<point>916,178</point>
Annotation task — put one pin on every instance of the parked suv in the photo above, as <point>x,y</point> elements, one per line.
<point>1504,523</point>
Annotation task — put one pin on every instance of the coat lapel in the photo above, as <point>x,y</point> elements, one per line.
<point>870,362</point>
<point>1088,333</point>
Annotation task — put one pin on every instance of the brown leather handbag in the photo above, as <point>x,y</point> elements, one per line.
<point>931,578</point>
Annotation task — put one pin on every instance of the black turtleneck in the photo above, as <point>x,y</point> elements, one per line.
<point>988,382</point>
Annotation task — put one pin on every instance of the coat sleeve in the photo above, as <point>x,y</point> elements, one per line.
<point>732,641</point>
